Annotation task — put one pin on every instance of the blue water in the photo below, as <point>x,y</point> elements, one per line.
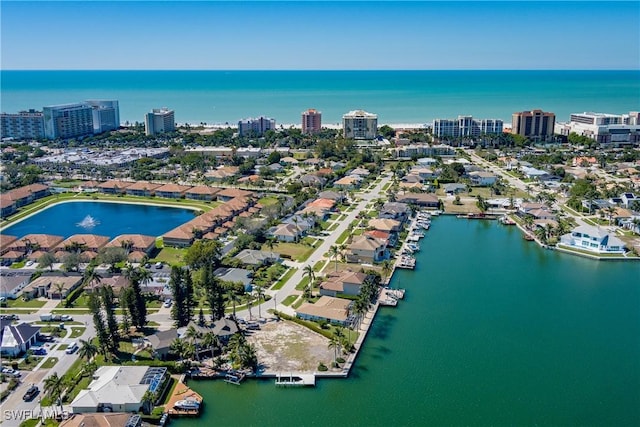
<point>113,219</point>
<point>396,96</point>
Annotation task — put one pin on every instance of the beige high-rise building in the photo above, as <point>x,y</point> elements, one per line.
<point>359,124</point>
<point>311,121</point>
<point>535,124</point>
<point>159,120</point>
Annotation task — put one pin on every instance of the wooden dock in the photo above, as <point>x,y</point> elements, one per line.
<point>297,380</point>
<point>234,378</point>
<point>182,392</point>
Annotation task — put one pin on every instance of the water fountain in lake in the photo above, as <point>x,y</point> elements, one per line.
<point>88,222</point>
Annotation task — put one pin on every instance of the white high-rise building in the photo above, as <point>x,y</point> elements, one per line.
<point>23,125</point>
<point>466,126</point>
<point>159,120</point>
<point>257,127</point>
<point>106,115</point>
<point>359,124</point>
<point>616,129</point>
<point>68,121</point>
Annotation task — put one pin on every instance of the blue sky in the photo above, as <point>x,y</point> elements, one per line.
<point>320,35</point>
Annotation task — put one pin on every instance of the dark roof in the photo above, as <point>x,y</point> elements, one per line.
<point>163,339</point>
<point>22,332</point>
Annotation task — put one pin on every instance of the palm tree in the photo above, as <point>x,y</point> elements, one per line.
<point>334,344</point>
<point>59,286</point>
<point>333,253</point>
<point>192,334</point>
<point>92,277</point>
<point>53,386</point>
<point>308,271</point>
<point>148,400</point>
<point>249,304</point>
<point>210,341</point>
<point>260,296</point>
<point>387,267</point>
<point>87,349</point>
<point>542,235</point>
<point>339,335</point>
<point>234,299</point>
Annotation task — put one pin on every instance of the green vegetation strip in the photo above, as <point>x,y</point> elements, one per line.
<point>289,299</point>
<point>283,279</point>
<point>77,332</point>
<point>49,363</point>
<point>303,283</point>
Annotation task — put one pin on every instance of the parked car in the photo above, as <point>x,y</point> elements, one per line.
<point>29,263</point>
<point>158,265</point>
<point>66,318</point>
<point>167,303</point>
<point>39,351</point>
<point>31,393</point>
<point>72,348</point>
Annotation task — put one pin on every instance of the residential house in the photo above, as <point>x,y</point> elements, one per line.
<point>329,309</point>
<point>82,242</point>
<point>285,232</point>
<point>36,242</point>
<point>134,243</point>
<point>236,275</point>
<point>312,180</point>
<point>389,238</point>
<point>27,194</point>
<point>384,224</point>
<point>533,173</point>
<point>454,188</point>
<point>103,420</point>
<point>142,189</point>
<point>119,389</point>
<point>331,195</point>
<point>52,287</point>
<point>17,339</point>
<point>7,207</point>
<point>161,342</point>
<point>201,192</point>
<point>628,199</point>
<point>222,173</point>
<point>114,186</point>
<point>172,191</point>
<point>367,249</point>
<point>424,200</point>
<point>348,182</point>
<point>224,328</point>
<point>395,210</point>
<point>482,179</point>
<point>12,282</point>
<point>227,194</point>
<point>424,173</point>
<point>360,172</point>
<point>593,239</point>
<point>6,242</point>
<point>345,282</point>
<point>257,258</point>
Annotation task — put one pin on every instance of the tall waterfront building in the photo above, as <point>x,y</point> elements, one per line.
<point>257,127</point>
<point>535,124</point>
<point>359,124</point>
<point>68,121</point>
<point>23,125</point>
<point>466,126</point>
<point>616,129</point>
<point>311,121</point>
<point>159,120</point>
<point>106,115</point>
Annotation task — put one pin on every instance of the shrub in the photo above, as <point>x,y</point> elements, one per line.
<point>322,367</point>
<point>340,360</point>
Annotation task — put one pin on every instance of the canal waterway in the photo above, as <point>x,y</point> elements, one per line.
<point>105,219</point>
<point>493,331</point>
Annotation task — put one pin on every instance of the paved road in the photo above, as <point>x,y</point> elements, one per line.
<point>318,255</point>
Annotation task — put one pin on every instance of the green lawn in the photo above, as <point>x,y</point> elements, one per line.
<point>304,282</point>
<point>318,266</point>
<point>343,237</point>
<point>280,283</point>
<point>295,251</point>
<point>77,332</point>
<point>298,303</point>
<point>289,299</point>
<point>49,363</point>
<point>171,256</point>
<point>268,201</point>
<point>30,363</point>
<point>20,303</point>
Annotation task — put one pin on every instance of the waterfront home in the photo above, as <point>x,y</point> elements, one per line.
<point>201,192</point>
<point>224,328</point>
<point>134,243</point>
<point>36,242</point>
<point>161,342</point>
<point>384,224</point>
<point>17,339</point>
<point>482,179</point>
<point>83,242</point>
<point>227,194</point>
<point>6,242</point>
<point>367,249</point>
<point>142,189</point>
<point>171,191</point>
<point>395,210</point>
<point>389,238</point>
<point>345,282</point>
<point>12,282</point>
<point>114,186</point>
<point>119,389</point>
<point>329,309</point>
<point>27,194</point>
<point>593,239</point>
<point>424,200</point>
<point>526,207</point>
<point>257,258</point>
<point>7,207</point>
<point>454,188</point>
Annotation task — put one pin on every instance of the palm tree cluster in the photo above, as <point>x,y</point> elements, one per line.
<point>181,286</point>
<point>242,355</point>
<point>368,293</point>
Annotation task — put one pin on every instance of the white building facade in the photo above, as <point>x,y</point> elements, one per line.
<point>159,120</point>
<point>614,129</point>
<point>23,125</point>
<point>68,121</point>
<point>255,127</point>
<point>106,115</point>
<point>466,126</point>
<point>359,124</point>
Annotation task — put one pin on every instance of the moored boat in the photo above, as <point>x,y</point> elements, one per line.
<point>187,404</point>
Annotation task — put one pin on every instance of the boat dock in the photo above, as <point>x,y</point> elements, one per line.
<point>234,378</point>
<point>182,392</point>
<point>296,380</point>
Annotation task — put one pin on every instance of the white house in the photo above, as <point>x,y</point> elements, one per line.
<point>119,389</point>
<point>592,239</point>
<point>17,339</point>
<point>481,178</point>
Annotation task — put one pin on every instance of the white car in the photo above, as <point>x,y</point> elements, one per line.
<point>29,263</point>
<point>167,303</point>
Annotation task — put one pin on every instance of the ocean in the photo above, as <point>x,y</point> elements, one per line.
<point>417,97</point>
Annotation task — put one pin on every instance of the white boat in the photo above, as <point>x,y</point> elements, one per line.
<point>187,404</point>
<point>413,247</point>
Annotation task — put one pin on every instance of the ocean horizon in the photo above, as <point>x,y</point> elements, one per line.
<point>396,96</point>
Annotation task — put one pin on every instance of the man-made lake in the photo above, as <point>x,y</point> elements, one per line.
<point>109,219</point>
<point>493,331</point>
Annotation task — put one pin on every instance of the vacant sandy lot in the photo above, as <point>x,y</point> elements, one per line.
<point>284,346</point>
